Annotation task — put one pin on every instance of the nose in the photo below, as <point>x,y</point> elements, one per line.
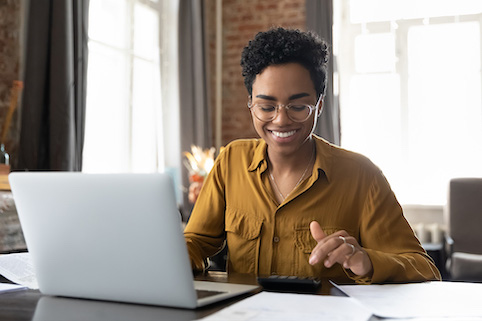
<point>282,116</point>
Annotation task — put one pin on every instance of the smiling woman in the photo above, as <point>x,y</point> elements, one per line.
<point>291,203</point>
<point>288,84</point>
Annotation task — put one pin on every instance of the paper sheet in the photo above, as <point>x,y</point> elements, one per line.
<point>292,307</point>
<point>437,319</point>
<point>422,300</point>
<point>18,268</point>
<point>6,287</point>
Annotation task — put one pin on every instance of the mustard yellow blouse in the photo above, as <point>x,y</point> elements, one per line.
<point>346,191</point>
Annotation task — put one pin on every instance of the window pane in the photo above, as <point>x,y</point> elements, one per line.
<point>106,124</point>
<point>108,22</point>
<point>146,32</point>
<point>146,113</point>
<point>375,53</point>
<point>371,120</point>
<point>386,10</point>
<point>445,117</point>
<point>123,120</point>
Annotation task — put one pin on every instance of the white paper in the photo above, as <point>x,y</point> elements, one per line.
<point>7,287</point>
<point>285,306</point>
<point>422,300</point>
<point>18,268</point>
<point>438,319</point>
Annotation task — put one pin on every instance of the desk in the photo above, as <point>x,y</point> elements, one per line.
<point>22,305</point>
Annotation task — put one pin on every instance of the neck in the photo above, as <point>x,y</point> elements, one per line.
<point>291,162</point>
<point>287,174</point>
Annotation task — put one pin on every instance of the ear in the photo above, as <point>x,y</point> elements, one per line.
<point>319,106</point>
<point>250,100</point>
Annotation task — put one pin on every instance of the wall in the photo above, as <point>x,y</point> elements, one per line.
<point>11,39</point>
<point>10,64</point>
<point>241,20</point>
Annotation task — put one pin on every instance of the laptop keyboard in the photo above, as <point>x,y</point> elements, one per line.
<point>207,293</point>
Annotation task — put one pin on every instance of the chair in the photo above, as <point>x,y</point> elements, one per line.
<point>464,235</point>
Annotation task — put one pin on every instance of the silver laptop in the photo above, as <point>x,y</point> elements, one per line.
<point>114,237</point>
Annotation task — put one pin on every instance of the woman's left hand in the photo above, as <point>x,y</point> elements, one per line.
<point>341,248</point>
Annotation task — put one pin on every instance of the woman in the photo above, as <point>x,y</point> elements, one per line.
<point>290,203</point>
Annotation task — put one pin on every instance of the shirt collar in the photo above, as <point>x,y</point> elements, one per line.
<point>324,157</point>
<point>323,161</point>
<point>259,157</point>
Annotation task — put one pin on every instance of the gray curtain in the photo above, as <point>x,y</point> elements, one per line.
<point>53,109</point>
<point>319,18</point>
<point>195,114</point>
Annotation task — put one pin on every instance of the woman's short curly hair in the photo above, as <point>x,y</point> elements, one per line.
<point>280,46</point>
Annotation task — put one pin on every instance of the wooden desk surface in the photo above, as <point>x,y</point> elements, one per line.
<point>24,305</point>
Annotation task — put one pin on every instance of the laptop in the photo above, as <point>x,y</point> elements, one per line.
<point>115,237</point>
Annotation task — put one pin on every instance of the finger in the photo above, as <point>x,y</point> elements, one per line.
<point>340,255</point>
<point>346,246</point>
<point>351,261</point>
<point>325,247</point>
<point>330,242</point>
<point>316,231</point>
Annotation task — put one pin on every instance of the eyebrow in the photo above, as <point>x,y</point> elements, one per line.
<point>292,97</point>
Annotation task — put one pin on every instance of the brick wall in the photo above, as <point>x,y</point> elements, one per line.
<point>11,237</point>
<point>10,59</point>
<point>242,19</point>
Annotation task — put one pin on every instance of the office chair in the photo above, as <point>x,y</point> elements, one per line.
<point>464,235</point>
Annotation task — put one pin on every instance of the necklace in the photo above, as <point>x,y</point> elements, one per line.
<point>299,181</point>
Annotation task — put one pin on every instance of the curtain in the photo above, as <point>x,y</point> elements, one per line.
<point>195,115</point>
<point>319,18</point>
<point>53,109</point>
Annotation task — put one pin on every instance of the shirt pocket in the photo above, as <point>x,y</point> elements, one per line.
<point>304,240</point>
<point>243,232</point>
<point>304,243</point>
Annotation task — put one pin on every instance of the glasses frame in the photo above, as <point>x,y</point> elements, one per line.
<point>287,107</point>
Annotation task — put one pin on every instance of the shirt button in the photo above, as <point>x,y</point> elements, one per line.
<point>276,239</point>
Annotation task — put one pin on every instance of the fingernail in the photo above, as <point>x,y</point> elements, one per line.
<point>327,264</point>
<point>313,259</point>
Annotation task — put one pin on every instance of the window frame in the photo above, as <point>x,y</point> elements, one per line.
<point>345,33</point>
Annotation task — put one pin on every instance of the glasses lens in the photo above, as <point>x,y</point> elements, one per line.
<point>265,112</point>
<point>299,113</point>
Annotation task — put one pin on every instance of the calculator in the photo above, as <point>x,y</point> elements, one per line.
<point>283,283</point>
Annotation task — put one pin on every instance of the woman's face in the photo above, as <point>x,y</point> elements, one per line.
<point>285,84</point>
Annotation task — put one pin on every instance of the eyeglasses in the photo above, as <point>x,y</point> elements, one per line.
<point>266,112</point>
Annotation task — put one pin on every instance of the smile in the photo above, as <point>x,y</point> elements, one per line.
<point>283,134</point>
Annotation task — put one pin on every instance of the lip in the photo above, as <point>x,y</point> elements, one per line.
<point>283,135</point>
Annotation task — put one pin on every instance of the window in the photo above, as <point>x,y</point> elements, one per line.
<point>410,90</point>
<point>124,129</point>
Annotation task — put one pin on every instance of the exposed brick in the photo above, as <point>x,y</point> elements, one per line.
<point>242,20</point>
<point>10,18</point>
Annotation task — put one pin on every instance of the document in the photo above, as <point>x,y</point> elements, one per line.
<point>6,287</point>
<point>291,307</point>
<point>18,268</point>
<point>457,300</point>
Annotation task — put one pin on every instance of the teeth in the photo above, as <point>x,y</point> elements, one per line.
<point>284,134</point>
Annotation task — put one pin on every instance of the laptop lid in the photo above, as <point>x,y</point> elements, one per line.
<point>106,236</point>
